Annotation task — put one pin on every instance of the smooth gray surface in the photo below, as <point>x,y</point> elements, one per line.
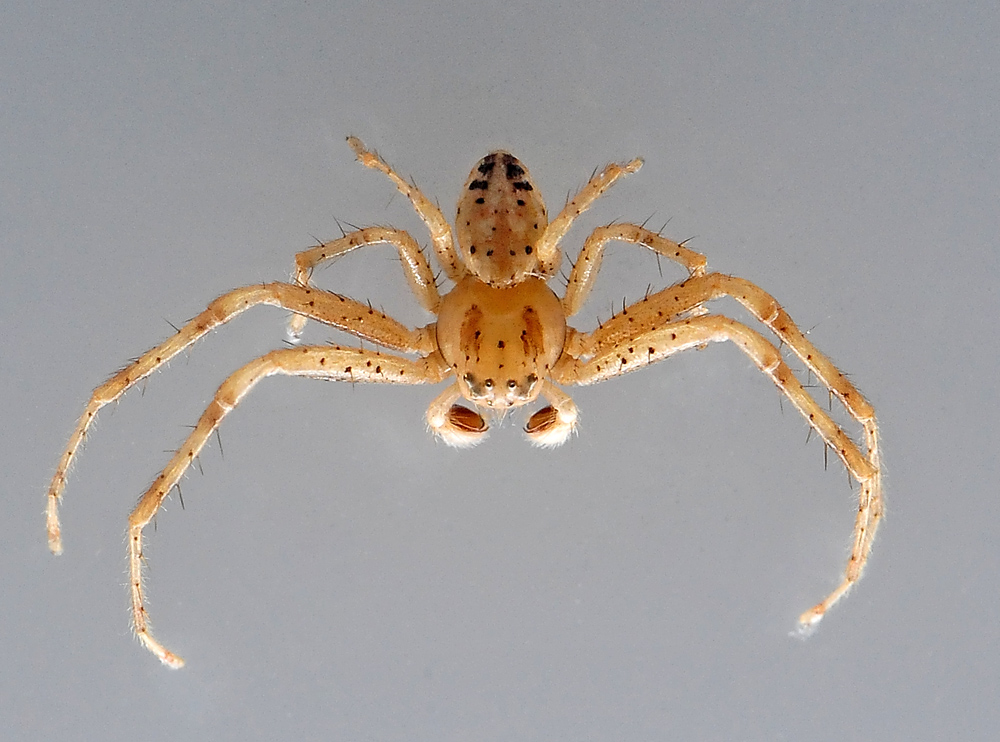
<point>339,574</point>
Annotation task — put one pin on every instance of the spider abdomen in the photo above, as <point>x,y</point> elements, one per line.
<point>500,218</point>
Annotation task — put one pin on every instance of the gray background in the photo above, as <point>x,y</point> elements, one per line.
<point>341,575</point>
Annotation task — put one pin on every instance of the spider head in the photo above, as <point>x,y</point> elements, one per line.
<point>500,343</point>
<point>499,394</point>
<point>500,218</point>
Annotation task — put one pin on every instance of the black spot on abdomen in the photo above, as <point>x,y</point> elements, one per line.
<point>487,165</point>
<point>514,171</point>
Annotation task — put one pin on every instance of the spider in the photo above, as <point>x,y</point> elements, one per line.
<point>501,338</point>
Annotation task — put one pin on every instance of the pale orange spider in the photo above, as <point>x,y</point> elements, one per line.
<point>501,336</point>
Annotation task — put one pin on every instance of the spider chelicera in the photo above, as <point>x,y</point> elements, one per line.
<point>501,339</point>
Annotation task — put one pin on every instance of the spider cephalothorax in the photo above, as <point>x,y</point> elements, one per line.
<point>501,339</point>
<point>501,342</point>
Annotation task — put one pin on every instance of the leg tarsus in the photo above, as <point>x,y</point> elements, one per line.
<point>140,619</point>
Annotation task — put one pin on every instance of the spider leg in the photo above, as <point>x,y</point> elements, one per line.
<point>616,352</point>
<point>656,309</point>
<point>549,256</point>
<point>329,362</point>
<point>332,309</point>
<point>581,278</point>
<point>418,270</point>
<point>441,237</point>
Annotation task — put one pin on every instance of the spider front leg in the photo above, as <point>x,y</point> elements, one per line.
<point>614,356</point>
<point>417,269</point>
<point>331,362</point>
<point>332,309</point>
<point>671,303</point>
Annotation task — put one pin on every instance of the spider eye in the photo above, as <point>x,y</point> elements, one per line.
<point>511,384</point>
<point>488,383</point>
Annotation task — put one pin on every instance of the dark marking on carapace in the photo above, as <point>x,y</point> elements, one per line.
<point>479,185</point>
<point>523,185</point>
